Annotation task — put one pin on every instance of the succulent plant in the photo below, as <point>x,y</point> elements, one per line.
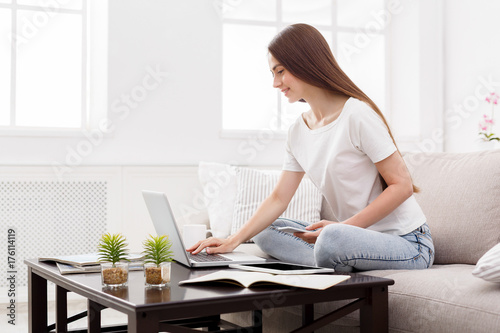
<point>157,249</point>
<point>112,248</point>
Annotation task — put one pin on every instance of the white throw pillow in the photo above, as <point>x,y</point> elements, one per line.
<point>255,185</point>
<point>219,189</point>
<point>488,266</point>
<point>224,184</point>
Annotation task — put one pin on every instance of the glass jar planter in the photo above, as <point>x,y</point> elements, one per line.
<point>157,275</point>
<point>114,275</point>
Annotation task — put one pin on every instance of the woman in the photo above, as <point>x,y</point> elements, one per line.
<point>346,148</point>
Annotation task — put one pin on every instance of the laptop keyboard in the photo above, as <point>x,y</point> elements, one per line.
<point>204,257</point>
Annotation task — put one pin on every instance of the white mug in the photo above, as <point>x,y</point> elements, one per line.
<point>192,233</point>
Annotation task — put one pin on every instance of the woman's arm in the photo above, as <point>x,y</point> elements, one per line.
<point>399,188</point>
<point>270,209</point>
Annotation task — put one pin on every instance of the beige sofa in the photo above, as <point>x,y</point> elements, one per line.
<point>460,195</point>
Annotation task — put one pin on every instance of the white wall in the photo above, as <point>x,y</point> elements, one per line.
<point>472,57</point>
<point>179,122</point>
<point>416,44</point>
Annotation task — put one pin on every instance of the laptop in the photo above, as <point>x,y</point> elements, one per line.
<point>164,222</point>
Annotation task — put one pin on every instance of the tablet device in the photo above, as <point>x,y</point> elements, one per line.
<point>291,230</point>
<point>282,268</point>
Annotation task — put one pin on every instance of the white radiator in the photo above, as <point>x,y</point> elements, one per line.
<point>68,216</point>
<point>51,218</point>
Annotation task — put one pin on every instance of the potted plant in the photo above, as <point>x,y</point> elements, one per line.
<point>113,253</point>
<point>157,258</point>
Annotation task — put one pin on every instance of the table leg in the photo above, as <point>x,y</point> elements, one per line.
<point>143,322</point>
<point>374,313</point>
<point>307,314</point>
<point>257,321</point>
<point>61,310</point>
<point>215,322</point>
<point>37,302</point>
<point>93,316</point>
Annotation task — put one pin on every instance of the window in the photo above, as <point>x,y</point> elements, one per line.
<point>355,30</point>
<point>45,65</point>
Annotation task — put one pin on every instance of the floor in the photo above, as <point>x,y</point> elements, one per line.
<point>108,316</point>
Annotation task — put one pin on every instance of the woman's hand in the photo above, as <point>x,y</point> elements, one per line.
<point>310,237</point>
<point>213,245</point>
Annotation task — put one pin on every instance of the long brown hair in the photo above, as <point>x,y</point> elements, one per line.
<point>305,53</point>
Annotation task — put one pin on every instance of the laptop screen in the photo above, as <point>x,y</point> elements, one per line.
<point>164,223</point>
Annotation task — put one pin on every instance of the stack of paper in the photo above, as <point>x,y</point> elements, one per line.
<point>87,263</point>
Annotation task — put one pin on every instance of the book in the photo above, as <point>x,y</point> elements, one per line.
<point>69,269</point>
<point>88,259</point>
<point>247,279</point>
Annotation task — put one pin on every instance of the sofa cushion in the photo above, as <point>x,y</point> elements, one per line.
<point>448,298</point>
<point>233,193</point>
<point>459,195</point>
<point>254,186</point>
<point>444,298</point>
<point>253,249</point>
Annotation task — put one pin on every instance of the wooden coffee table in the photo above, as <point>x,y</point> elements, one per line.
<point>181,308</point>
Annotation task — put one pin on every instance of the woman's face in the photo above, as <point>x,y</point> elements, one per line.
<point>289,85</point>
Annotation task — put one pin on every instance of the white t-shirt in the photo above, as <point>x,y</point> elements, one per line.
<point>339,159</point>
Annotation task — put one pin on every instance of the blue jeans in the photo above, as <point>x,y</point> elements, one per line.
<point>346,248</point>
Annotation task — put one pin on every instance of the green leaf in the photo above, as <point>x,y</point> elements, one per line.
<point>157,249</point>
<point>112,248</point>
